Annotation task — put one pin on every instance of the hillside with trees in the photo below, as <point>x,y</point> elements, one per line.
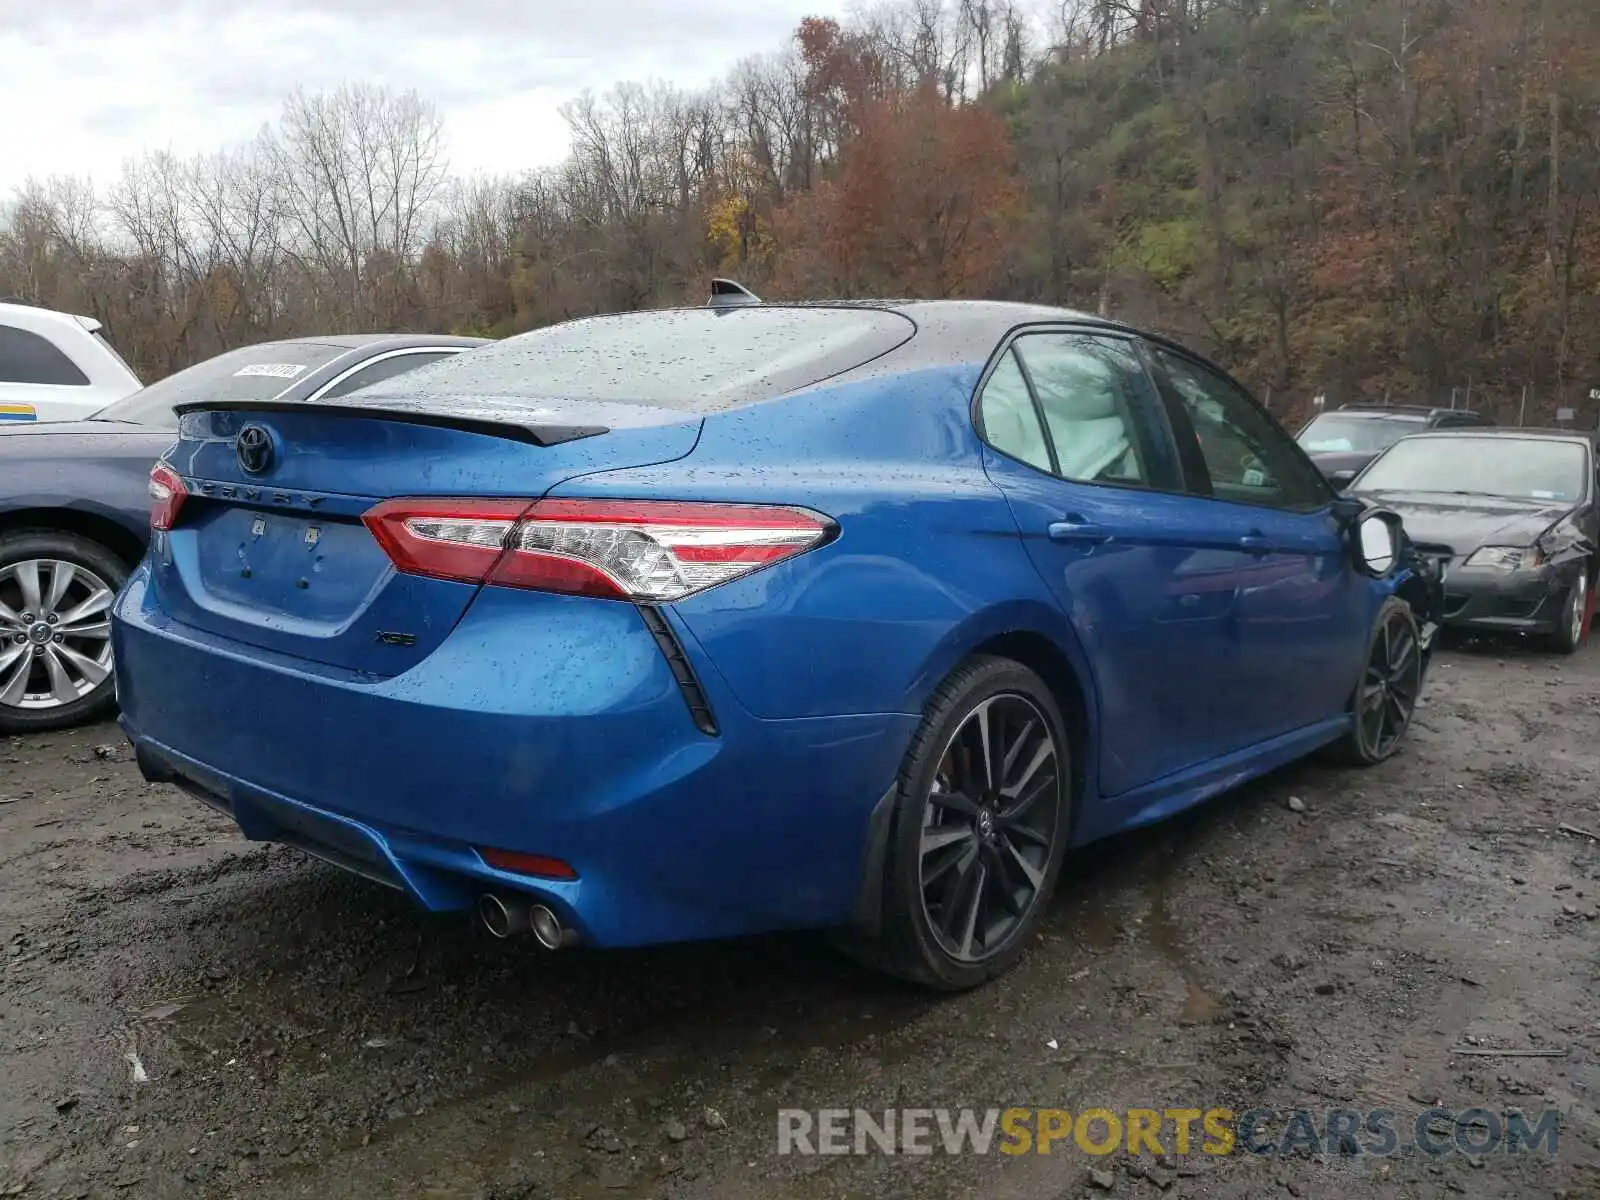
<point>1363,198</point>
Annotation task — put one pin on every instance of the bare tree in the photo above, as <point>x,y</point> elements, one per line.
<point>361,169</point>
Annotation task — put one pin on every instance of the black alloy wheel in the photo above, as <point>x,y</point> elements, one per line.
<point>981,823</point>
<point>1391,684</point>
<point>989,827</point>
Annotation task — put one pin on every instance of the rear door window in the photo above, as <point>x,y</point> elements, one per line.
<point>26,357</point>
<point>1085,390</point>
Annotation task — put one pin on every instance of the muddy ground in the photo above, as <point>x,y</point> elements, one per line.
<point>298,1033</point>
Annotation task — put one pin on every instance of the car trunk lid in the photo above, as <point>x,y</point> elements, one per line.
<point>269,548</point>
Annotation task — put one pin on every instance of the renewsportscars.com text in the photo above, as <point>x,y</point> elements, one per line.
<point>1182,1131</point>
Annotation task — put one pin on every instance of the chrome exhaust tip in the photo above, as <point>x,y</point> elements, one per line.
<point>504,918</point>
<point>508,916</point>
<point>548,930</point>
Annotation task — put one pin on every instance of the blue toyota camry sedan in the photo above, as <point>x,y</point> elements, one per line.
<point>708,621</point>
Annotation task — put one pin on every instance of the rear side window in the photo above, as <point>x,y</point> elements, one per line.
<point>254,373</point>
<point>697,360</point>
<point>28,358</point>
<point>1010,422</point>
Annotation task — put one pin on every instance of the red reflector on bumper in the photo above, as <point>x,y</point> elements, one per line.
<point>539,865</point>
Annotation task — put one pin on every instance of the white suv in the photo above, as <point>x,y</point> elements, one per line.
<point>56,367</point>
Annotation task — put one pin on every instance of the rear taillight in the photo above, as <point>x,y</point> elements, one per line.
<point>445,539</point>
<point>647,550</point>
<point>167,495</point>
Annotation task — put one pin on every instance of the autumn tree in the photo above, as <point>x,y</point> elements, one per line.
<point>1363,198</point>
<point>923,203</point>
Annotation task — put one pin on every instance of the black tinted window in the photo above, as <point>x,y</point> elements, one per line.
<point>28,358</point>
<point>254,373</point>
<point>384,368</point>
<point>695,359</point>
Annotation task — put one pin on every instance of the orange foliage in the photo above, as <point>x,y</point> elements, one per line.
<point>842,70</point>
<point>924,203</point>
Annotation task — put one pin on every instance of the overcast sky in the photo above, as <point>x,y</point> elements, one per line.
<point>87,83</point>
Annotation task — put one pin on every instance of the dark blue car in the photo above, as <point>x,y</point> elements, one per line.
<point>702,622</point>
<point>75,508</point>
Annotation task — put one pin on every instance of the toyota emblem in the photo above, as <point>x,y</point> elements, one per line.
<point>254,448</point>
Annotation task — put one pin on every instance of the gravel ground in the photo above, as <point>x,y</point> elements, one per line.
<point>183,1013</point>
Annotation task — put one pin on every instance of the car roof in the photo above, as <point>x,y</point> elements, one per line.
<point>966,331</point>
<point>972,328</point>
<point>10,308</point>
<point>1412,413</point>
<point>1592,437</point>
<point>385,341</point>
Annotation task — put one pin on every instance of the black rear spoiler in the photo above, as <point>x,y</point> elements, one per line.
<point>504,425</point>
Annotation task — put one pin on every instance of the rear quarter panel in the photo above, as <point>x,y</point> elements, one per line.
<point>927,564</point>
<point>105,475</point>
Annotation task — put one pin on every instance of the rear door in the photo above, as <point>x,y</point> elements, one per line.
<point>1302,609</point>
<point>1076,439</point>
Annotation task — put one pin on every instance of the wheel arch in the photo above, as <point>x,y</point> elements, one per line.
<point>1041,655</point>
<point>1039,637</point>
<point>86,523</point>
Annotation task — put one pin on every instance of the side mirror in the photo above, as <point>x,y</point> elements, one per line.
<point>1341,479</point>
<point>1377,542</point>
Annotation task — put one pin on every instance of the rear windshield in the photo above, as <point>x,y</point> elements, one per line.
<point>698,359</point>
<point>254,373</point>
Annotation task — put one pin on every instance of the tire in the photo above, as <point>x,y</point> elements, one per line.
<point>936,939</point>
<point>1574,628</point>
<point>1401,687</point>
<point>65,650</point>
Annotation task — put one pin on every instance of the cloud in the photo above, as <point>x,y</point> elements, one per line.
<point>106,80</point>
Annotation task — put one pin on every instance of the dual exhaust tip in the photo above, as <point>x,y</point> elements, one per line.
<point>512,916</point>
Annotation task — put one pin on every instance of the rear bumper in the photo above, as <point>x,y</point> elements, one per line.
<point>1517,601</point>
<point>542,724</point>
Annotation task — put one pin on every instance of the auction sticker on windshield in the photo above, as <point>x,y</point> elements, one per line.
<point>275,370</point>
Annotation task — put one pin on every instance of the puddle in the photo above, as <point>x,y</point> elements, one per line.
<point>1199,1005</point>
<point>164,1011</point>
<point>1096,926</point>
